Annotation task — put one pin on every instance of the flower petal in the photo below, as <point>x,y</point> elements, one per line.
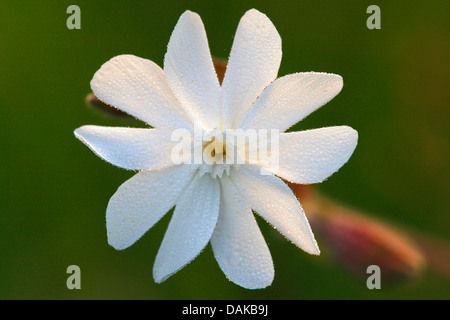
<point>253,64</point>
<point>141,201</point>
<point>138,87</point>
<point>190,71</point>
<point>272,199</point>
<point>129,148</point>
<point>289,99</point>
<point>311,156</point>
<point>190,228</point>
<point>238,244</point>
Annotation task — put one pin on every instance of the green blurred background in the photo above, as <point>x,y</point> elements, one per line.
<point>54,190</point>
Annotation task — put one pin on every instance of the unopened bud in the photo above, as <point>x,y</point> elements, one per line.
<point>358,241</point>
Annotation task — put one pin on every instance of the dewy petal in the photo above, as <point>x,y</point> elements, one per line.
<point>289,99</point>
<point>129,148</point>
<point>139,87</point>
<point>190,228</point>
<point>273,200</point>
<point>238,244</point>
<point>141,201</point>
<point>190,71</point>
<point>311,156</point>
<point>253,64</point>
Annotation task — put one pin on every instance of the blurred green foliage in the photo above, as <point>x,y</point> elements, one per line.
<point>54,190</point>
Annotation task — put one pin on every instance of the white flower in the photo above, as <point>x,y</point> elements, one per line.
<point>209,207</point>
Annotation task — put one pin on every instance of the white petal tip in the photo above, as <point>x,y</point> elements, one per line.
<point>311,247</point>
<point>160,277</point>
<point>254,12</point>
<point>335,83</point>
<point>117,243</point>
<point>82,131</point>
<point>353,134</point>
<point>189,16</point>
<point>315,251</point>
<point>188,12</point>
<point>80,134</point>
<point>253,284</point>
<point>117,247</point>
<point>77,132</point>
<point>339,82</point>
<point>103,73</point>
